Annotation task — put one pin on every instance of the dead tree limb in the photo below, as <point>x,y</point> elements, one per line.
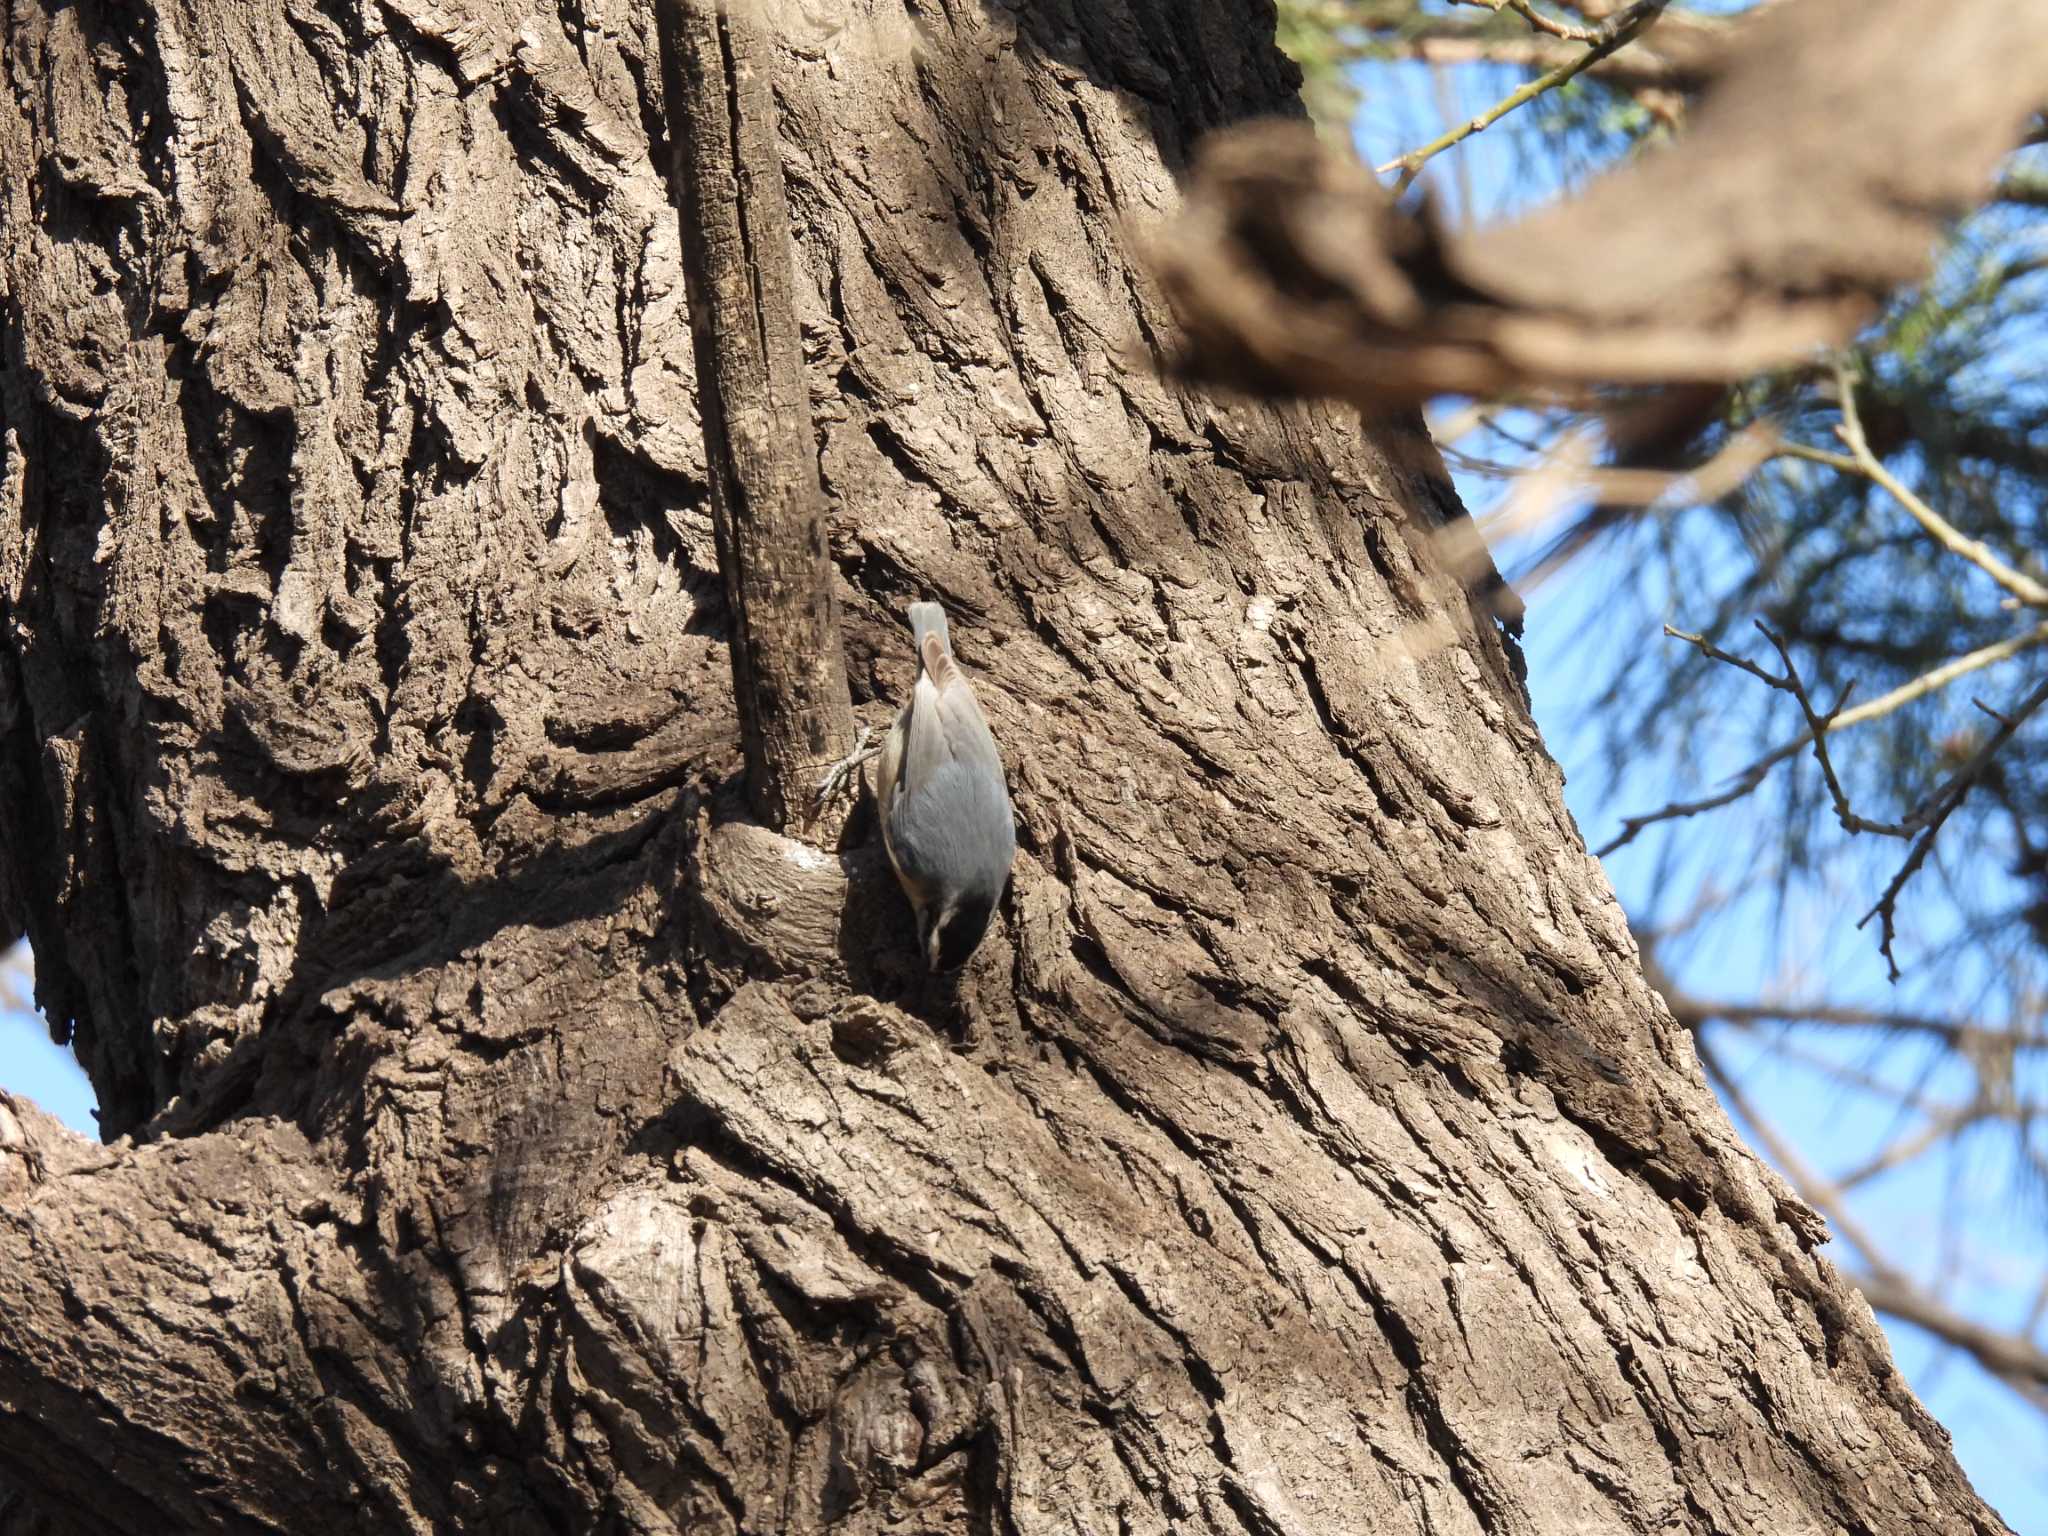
<point>788,665</point>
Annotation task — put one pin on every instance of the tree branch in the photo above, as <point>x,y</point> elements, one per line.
<point>2010,1356</point>
<point>789,669</point>
<point>1943,532</point>
<point>1817,729</point>
<point>153,1368</point>
<point>1936,811</point>
<point>1292,275</point>
<point>1748,780</point>
<point>1634,69</point>
<point>1539,21</point>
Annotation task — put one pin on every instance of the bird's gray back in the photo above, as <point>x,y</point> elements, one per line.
<point>959,812</point>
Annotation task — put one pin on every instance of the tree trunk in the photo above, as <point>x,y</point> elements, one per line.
<point>510,1136</point>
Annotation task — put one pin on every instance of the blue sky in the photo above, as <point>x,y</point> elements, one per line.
<point>31,1064</point>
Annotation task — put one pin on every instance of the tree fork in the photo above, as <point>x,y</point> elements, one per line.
<point>788,666</point>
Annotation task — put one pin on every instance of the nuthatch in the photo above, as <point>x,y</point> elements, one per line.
<point>945,811</point>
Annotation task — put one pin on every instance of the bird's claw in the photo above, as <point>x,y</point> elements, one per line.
<point>835,777</point>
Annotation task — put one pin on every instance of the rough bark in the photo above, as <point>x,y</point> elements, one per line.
<point>512,1136</point>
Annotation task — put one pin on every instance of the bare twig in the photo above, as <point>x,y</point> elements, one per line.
<point>1729,659</point>
<point>1537,19</point>
<point>1944,533</point>
<point>1817,726</point>
<point>1613,34</point>
<point>2037,1310</point>
<point>1840,461</point>
<point>1747,781</point>
<point>1926,820</point>
<point>1935,812</point>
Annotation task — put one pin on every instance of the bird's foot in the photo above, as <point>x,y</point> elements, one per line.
<point>836,776</point>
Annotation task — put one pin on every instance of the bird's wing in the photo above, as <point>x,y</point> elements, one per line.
<point>889,766</point>
<point>925,748</point>
<point>966,728</point>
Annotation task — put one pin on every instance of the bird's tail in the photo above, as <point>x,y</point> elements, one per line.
<point>928,622</point>
<point>928,619</point>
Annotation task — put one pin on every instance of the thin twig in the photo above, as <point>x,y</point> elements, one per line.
<point>1620,30</point>
<point>2037,1310</point>
<point>1542,23</point>
<point>1944,533</point>
<point>1926,820</point>
<point>1747,781</point>
<point>1713,652</point>
<point>1817,726</point>
<point>1939,805</point>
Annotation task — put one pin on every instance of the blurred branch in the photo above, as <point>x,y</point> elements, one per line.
<point>2007,1355</point>
<point>1939,1128</point>
<point>1936,811</point>
<point>2027,189</point>
<point>1694,1013</point>
<point>1538,20</point>
<point>1802,198</point>
<point>1637,71</point>
<point>1562,473</point>
<point>2011,1357</point>
<point>17,980</point>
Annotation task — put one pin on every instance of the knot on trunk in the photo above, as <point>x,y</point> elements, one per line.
<point>771,905</point>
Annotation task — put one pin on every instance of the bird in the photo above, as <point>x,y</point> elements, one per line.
<point>944,807</point>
